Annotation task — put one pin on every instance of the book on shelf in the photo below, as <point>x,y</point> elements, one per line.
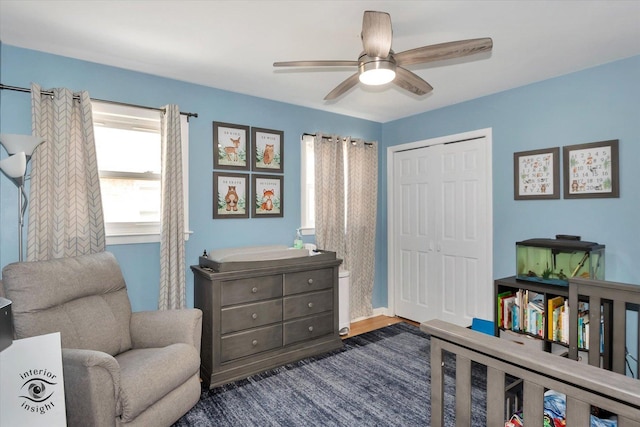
<point>584,326</point>
<point>535,314</point>
<point>500,307</point>
<point>555,306</point>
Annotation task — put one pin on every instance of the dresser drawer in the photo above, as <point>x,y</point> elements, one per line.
<point>308,304</point>
<point>251,289</point>
<point>241,317</point>
<point>250,342</point>
<point>308,328</point>
<point>305,281</point>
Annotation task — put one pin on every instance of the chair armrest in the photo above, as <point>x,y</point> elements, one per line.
<point>91,387</point>
<point>165,327</point>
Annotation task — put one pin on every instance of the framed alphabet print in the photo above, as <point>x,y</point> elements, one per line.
<point>230,191</point>
<point>231,146</point>
<point>268,150</point>
<point>591,170</point>
<point>267,196</point>
<point>536,174</point>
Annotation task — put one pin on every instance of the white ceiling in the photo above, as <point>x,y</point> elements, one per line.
<point>232,45</point>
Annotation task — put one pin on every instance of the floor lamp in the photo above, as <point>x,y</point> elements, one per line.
<point>20,149</point>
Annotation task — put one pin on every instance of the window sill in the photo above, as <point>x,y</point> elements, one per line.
<point>307,231</point>
<point>133,239</point>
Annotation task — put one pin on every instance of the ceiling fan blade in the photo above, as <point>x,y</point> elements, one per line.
<point>320,63</point>
<point>411,82</point>
<point>342,87</point>
<point>439,52</point>
<point>376,34</point>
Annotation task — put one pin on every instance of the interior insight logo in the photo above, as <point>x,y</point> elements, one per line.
<point>36,390</point>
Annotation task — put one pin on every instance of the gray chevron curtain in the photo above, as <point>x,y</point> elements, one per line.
<point>65,206</point>
<point>362,202</point>
<point>172,259</point>
<point>346,191</point>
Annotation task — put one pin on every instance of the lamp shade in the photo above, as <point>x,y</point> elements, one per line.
<point>376,71</point>
<point>14,166</point>
<point>14,143</point>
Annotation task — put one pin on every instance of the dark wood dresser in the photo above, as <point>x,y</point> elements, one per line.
<point>255,319</point>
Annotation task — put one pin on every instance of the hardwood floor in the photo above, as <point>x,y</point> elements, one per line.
<point>374,323</point>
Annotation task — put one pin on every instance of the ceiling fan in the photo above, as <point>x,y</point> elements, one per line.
<point>378,64</point>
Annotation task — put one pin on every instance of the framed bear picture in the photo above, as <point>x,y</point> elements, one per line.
<point>267,196</point>
<point>230,191</point>
<point>268,150</point>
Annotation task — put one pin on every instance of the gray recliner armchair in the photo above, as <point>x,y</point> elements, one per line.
<point>120,368</point>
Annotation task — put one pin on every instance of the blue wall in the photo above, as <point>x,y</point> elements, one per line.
<point>597,104</point>
<point>140,263</point>
<point>593,105</point>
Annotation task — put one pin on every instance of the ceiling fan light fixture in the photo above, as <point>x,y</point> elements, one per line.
<point>376,71</point>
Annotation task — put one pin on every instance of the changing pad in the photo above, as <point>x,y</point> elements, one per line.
<point>251,257</point>
<point>257,253</point>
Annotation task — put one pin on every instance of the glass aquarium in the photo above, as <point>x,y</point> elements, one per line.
<point>555,261</point>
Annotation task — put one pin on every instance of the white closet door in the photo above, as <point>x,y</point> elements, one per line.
<point>441,241</point>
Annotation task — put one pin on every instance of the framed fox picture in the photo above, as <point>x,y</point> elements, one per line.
<point>267,196</point>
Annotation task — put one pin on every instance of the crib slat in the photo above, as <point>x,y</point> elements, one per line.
<point>578,412</point>
<point>573,320</point>
<point>495,397</point>
<point>626,422</point>
<point>437,384</point>
<point>594,331</point>
<point>619,339</point>
<point>463,391</point>
<point>533,399</point>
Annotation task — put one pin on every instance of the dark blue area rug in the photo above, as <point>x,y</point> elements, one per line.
<point>379,378</point>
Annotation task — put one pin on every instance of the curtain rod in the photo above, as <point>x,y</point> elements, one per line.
<point>49,93</point>
<point>328,137</point>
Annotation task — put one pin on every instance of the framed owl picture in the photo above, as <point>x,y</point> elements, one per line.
<point>230,191</point>
<point>268,150</point>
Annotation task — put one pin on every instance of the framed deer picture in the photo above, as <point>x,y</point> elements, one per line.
<point>231,146</point>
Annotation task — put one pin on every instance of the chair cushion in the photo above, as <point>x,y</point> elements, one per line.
<point>84,298</point>
<point>147,375</point>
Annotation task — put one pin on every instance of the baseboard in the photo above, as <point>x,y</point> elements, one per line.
<point>380,311</point>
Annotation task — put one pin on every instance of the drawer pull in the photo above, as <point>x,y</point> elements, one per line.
<point>254,343</point>
<point>254,316</point>
<point>310,305</point>
<point>254,290</point>
<point>310,328</point>
<point>310,281</point>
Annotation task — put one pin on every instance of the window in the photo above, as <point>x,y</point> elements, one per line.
<point>307,197</point>
<point>128,150</point>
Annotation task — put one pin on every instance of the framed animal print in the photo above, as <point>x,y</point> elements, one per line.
<point>591,170</point>
<point>268,150</point>
<point>230,191</point>
<point>267,196</point>
<point>231,146</point>
<point>536,174</point>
